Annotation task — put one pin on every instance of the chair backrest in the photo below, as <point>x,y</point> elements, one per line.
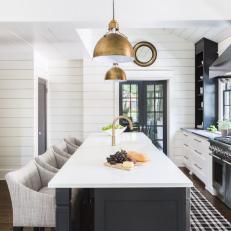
<point>48,161</point>
<point>61,152</point>
<point>64,148</point>
<point>73,141</point>
<point>27,176</point>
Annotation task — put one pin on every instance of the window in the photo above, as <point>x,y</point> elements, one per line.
<point>227,101</point>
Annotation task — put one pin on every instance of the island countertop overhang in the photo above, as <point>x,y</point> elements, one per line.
<point>85,168</point>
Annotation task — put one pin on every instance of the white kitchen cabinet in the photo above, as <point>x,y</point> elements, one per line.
<point>197,159</point>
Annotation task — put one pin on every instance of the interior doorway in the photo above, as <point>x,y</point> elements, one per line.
<point>42,116</point>
<point>145,103</point>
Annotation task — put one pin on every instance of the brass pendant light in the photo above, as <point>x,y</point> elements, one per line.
<point>115,73</point>
<point>114,46</point>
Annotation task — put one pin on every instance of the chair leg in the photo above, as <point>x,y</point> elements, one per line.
<point>39,229</point>
<point>17,228</point>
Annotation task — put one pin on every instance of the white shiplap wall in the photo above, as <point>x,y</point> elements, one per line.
<point>175,63</point>
<point>16,113</point>
<point>65,109</point>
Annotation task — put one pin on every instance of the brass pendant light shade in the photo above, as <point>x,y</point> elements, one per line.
<point>115,73</point>
<point>114,46</point>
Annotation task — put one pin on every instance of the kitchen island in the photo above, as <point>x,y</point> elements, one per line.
<point>151,197</point>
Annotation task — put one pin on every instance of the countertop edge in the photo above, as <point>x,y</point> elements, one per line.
<point>194,131</point>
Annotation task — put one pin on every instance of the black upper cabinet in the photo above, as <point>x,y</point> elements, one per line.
<point>206,110</point>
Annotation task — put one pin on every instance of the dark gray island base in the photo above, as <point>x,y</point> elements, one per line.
<point>126,209</point>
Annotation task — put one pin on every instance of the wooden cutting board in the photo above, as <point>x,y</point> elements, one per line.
<point>120,166</point>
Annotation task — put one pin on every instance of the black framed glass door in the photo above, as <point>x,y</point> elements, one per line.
<point>145,102</point>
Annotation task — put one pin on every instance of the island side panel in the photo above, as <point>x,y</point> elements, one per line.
<point>63,209</point>
<point>146,209</point>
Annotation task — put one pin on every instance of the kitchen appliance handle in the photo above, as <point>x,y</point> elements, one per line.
<point>220,159</point>
<point>226,162</point>
<point>215,156</point>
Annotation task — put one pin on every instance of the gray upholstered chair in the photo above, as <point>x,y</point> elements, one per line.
<point>64,149</point>
<point>73,142</point>
<point>33,203</point>
<point>51,160</point>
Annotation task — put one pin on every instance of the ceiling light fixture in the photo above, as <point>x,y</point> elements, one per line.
<point>115,73</point>
<point>114,46</point>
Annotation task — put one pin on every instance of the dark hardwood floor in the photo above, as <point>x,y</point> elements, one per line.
<point>6,209</point>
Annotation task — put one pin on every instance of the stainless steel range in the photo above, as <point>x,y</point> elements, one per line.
<point>221,151</point>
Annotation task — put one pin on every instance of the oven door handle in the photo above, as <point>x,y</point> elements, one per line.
<point>226,162</point>
<point>215,156</point>
<point>220,159</point>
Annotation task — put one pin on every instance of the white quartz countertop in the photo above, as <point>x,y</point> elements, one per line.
<point>85,169</point>
<point>203,133</point>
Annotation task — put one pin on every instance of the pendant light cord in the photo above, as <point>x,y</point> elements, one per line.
<point>113,10</point>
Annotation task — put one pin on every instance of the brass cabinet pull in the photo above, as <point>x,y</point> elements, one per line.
<point>185,145</point>
<point>185,135</point>
<point>186,157</point>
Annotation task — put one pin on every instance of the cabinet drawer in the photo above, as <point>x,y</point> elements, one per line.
<point>198,171</point>
<point>200,145</point>
<point>198,165</point>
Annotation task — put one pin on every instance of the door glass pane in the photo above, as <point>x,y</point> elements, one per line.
<point>159,133</point>
<point>158,104</point>
<point>134,105</point>
<point>134,90</point>
<point>130,101</point>
<point>150,91</point>
<point>150,105</point>
<point>226,112</point>
<point>126,107</point>
<point>159,90</point>
<point>226,98</point>
<point>150,119</point>
<point>159,118</point>
<point>134,117</point>
<point>126,90</point>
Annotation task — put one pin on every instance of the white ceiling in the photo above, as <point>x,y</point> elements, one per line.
<point>56,40</point>
<point>131,13</point>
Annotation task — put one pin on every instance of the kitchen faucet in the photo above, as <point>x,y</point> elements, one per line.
<point>113,126</point>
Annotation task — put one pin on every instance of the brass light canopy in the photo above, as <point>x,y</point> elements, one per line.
<point>115,73</point>
<point>114,46</point>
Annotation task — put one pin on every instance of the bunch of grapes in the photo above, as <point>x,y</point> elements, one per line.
<point>118,158</point>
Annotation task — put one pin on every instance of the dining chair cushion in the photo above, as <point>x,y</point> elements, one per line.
<point>73,141</point>
<point>61,152</point>
<point>71,148</point>
<point>47,161</point>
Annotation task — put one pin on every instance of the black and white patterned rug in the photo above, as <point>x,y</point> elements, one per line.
<point>204,216</point>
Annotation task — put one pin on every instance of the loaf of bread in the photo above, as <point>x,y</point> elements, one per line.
<point>139,157</point>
